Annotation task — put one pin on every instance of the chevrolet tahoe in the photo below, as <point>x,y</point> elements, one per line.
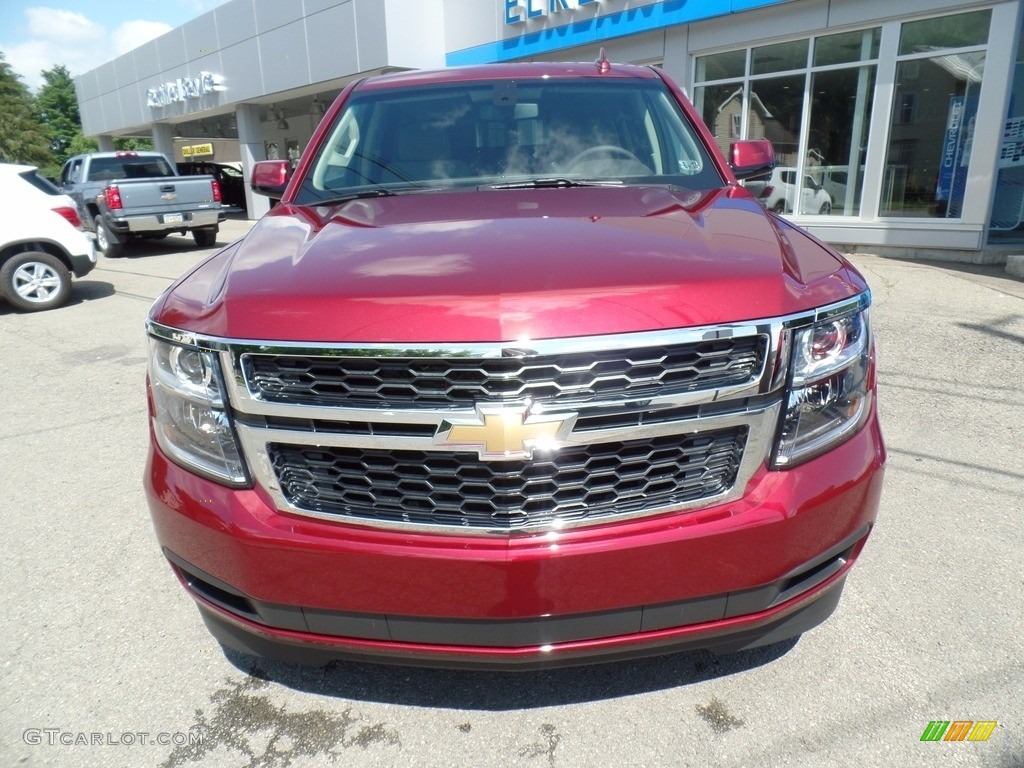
<point>516,374</point>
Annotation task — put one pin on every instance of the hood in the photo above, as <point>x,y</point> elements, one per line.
<point>507,265</point>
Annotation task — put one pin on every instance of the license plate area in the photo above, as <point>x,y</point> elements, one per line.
<point>173,218</point>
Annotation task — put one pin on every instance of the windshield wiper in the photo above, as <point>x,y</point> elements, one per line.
<point>555,182</point>
<point>363,193</point>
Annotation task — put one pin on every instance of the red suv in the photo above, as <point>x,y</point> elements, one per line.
<point>516,374</point>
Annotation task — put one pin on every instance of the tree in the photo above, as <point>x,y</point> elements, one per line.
<point>57,108</point>
<point>22,138</point>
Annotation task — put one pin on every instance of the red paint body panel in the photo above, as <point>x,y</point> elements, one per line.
<point>505,266</point>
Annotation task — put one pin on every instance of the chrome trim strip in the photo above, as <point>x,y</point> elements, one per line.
<point>244,401</point>
<point>471,350</point>
<point>512,348</point>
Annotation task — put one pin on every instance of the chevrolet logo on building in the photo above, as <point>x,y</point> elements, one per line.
<point>506,433</point>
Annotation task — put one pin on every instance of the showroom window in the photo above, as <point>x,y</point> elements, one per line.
<point>812,98</point>
<point>939,70</point>
<point>1007,221</point>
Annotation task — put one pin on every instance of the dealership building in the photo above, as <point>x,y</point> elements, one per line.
<point>898,127</point>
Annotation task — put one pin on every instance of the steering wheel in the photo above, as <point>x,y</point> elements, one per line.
<point>603,151</point>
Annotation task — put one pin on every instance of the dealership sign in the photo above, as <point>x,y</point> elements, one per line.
<point>183,89</point>
<point>518,11</point>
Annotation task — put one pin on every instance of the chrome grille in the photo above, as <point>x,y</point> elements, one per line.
<point>457,489</point>
<point>566,378</point>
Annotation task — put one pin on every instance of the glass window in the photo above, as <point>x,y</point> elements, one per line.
<point>1006,222</point>
<point>829,146</point>
<point>776,111</point>
<point>838,134</point>
<point>721,107</point>
<point>128,166</point>
<point>961,31</point>
<point>930,143</point>
<point>40,182</point>
<point>780,57</point>
<point>847,47</point>
<point>721,66</point>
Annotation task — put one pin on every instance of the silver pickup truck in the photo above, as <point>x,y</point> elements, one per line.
<point>124,195</point>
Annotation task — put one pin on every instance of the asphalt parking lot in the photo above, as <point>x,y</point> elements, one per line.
<point>106,662</point>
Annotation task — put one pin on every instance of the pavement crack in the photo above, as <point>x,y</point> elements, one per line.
<point>546,746</point>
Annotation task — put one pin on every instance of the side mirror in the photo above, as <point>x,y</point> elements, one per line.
<point>270,177</point>
<point>752,158</point>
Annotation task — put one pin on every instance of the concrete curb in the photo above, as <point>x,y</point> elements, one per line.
<point>1015,265</point>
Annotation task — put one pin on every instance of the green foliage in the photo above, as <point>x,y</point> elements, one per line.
<point>57,108</point>
<point>81,145</point>
<point>133,142</point>
<point>46,130</point>
<point>23,138</point>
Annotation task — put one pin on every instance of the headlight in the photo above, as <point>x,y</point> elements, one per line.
<point>191,423</point>
<point>829,396</point>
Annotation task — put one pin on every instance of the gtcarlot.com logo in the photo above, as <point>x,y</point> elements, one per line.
<point>958,730</point>
<point>59,736</point>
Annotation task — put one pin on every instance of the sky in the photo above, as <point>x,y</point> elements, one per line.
<point>40,34</point>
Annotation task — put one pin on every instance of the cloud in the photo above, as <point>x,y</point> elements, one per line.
<point>132,34</point>
<point>69,38</point>
<point>61,27</point>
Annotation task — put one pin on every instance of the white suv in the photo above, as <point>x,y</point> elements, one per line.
<point>778,193</point>
<point>41,241</point>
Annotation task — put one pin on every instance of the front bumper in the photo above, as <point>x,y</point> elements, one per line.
<point>754,571</point>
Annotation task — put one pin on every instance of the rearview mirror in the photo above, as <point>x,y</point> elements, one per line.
<point>270,177</point>
<point>752,158</point>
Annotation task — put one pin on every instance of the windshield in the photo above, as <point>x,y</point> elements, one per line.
<point>508,132</point>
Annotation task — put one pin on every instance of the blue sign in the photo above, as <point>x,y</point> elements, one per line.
<point>558,27</point>
<point>956,153</point>
<point>515,9</point>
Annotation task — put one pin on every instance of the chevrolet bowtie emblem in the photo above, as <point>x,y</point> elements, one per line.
<point>506,433</point>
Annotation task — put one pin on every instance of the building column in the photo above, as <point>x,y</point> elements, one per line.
<point>105,142</point>
<point>163,139</point>
<point>250,145</point>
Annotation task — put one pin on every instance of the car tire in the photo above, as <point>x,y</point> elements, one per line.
<point>826,209</point>
<point>109,244</point>
<point>779,207</point>
<point>33,281</point>
<point>207,237</point>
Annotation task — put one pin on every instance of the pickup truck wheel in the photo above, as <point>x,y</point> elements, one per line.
<point>34,281</point>
<point>206,238</point>
<point>107,241</point>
